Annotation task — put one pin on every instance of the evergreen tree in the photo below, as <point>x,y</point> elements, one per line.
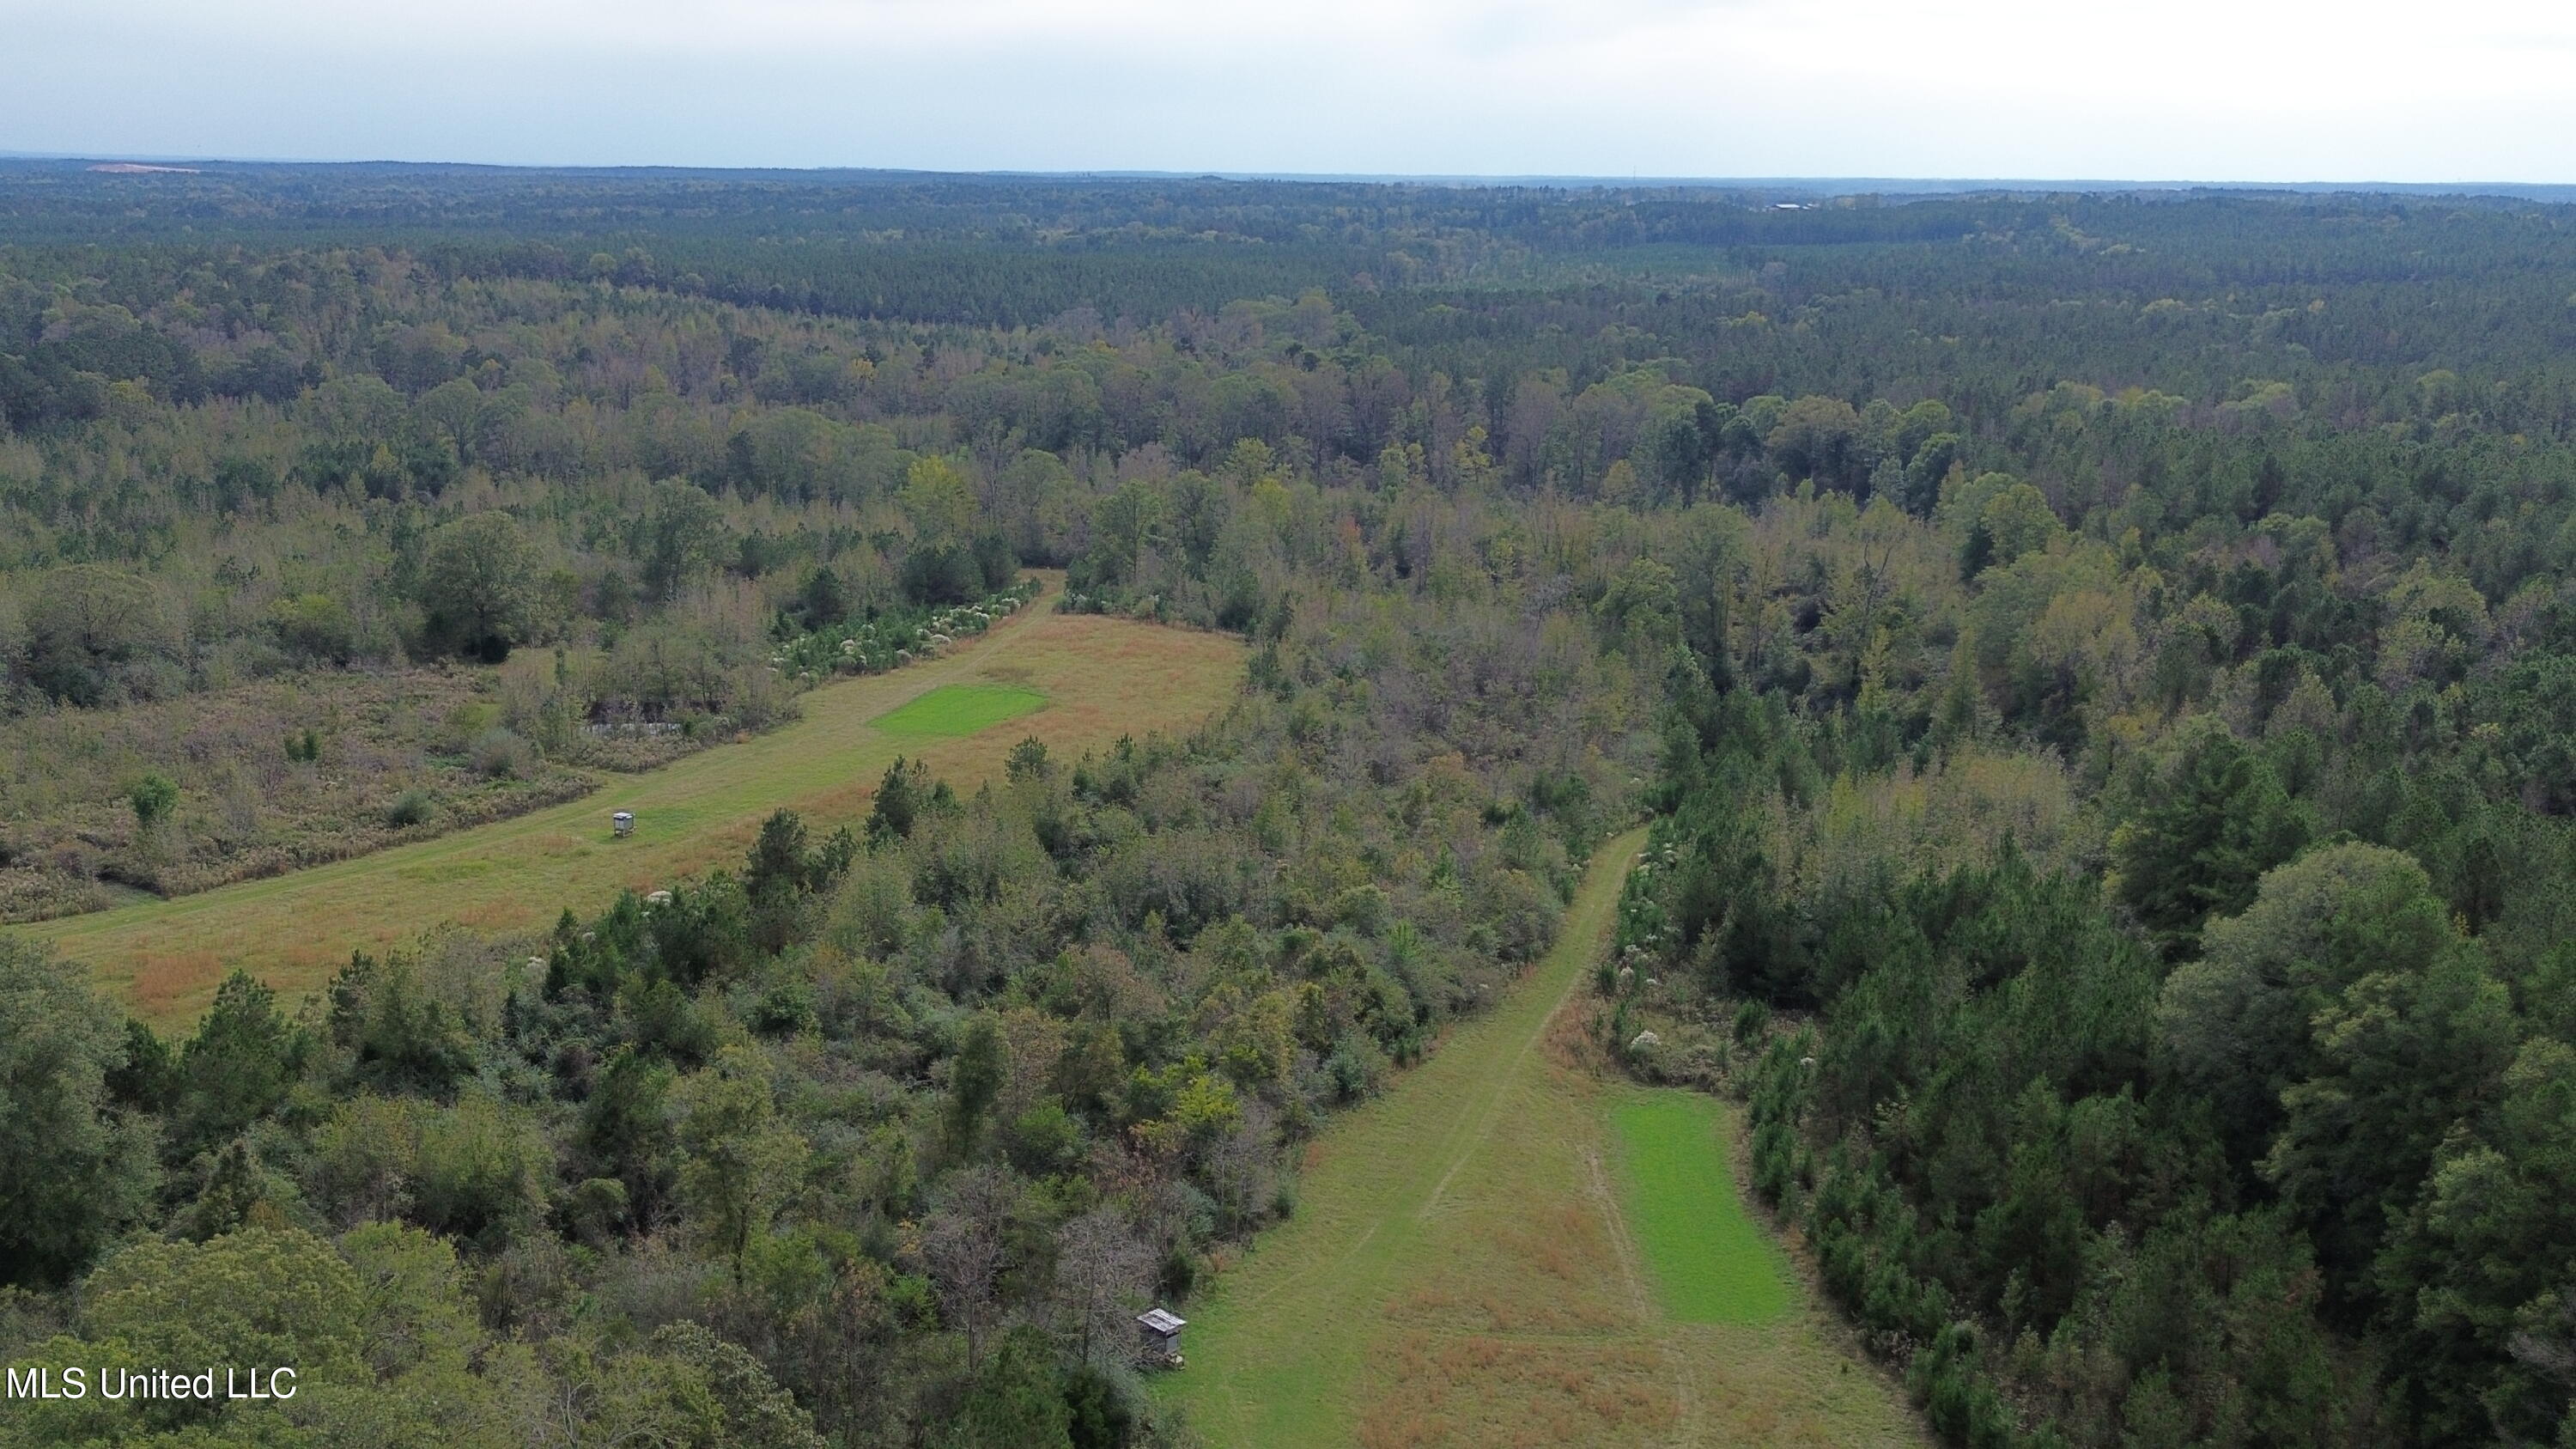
<point>236,1069</point>
<point>2211,824</point>
<point>78,1166</point>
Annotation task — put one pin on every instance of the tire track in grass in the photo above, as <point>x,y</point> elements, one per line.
<point>1686,1418</point>
<point>1503,1082</point>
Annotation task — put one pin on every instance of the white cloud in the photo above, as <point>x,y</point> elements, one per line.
<point>2202,89</point>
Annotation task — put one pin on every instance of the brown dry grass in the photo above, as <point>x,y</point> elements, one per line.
<point>245,809</point>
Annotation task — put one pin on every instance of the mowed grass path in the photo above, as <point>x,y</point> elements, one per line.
<point>956,709</point>
<point>1460,1270</point>
<point>1075,681</point>
<point>1709,1261</point>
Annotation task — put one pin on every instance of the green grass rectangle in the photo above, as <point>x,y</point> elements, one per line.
<point>1710,1263</point>
<point>957,709</point>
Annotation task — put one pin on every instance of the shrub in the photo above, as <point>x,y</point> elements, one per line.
<point>1356,1067</point>
<point>785,1009</point>
<point>412,808</point>
<point>1043,1140</point>
<point>597,1210</point>
<point>315,627</point>
<point>1752,1019</point>
<point>153,798</point>
<point>468,722</point>
<point>501,755</point>
<point>481,1169</point>
<point>1179,1273</point>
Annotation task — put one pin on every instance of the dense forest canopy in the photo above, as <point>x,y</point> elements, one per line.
<point>2103,667</point>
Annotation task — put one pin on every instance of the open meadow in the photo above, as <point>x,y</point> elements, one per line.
<point>248,808</point>
<point>1506,1249</point>
<point>1078,682</point>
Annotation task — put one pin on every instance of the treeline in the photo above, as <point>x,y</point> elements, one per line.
<point>2136,910</point>
<point>2290,1182</point>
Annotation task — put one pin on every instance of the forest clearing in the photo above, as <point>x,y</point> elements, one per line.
<point>1479,1258</point>
<point>1077,682</point>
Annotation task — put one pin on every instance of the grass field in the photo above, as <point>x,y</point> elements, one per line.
<point>957,709</point>
<point>1462,1271</point>
<point>1076,681</point>
<point>246,810</point>
<point>1710,1263</point>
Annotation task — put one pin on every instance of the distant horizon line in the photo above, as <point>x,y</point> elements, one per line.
<point>1809,184</point>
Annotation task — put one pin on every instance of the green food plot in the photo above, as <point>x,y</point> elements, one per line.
<point>1710,1263</point>
<point>957,709</point>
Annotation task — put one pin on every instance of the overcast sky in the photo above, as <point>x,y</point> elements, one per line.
<point>2318,90</point>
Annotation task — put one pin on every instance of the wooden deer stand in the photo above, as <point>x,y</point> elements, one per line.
<point>1159,1342</point>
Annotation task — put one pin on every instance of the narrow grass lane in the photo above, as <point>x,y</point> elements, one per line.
<point>1278,1352</point>
<point>1460,1270</point>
